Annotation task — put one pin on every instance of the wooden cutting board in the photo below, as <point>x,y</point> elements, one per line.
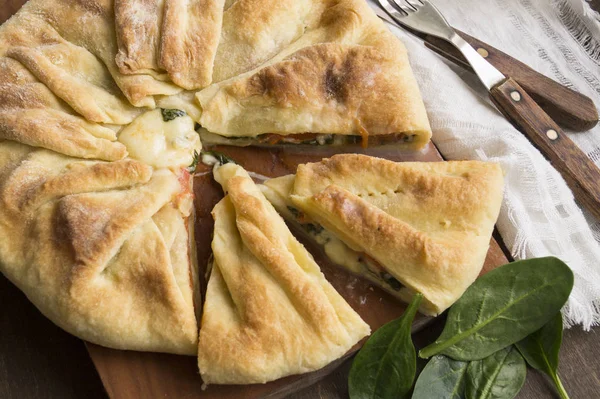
<point>127,374</point>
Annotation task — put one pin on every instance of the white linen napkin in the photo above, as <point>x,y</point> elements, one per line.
<point>539,217</point>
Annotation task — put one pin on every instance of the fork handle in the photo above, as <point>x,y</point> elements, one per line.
<point>570,109</point>
<point>580,173</point>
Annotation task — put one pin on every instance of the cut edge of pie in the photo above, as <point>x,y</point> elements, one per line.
<point>408,227</point>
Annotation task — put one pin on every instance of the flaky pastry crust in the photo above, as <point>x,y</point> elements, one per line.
<point>98,247</point>
<point>336,69</point>
<point>428,224</point>
<point>269,312</point>
<point>175,37</point>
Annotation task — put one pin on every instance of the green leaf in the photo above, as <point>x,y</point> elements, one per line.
<point>541,348</point>
<point>170,114</point>
<point>195,160</point>
<point>498,376</point>
<point>503,307</point>
<point>221,158</point>
<point>442,378</point>
<point>385,367</point>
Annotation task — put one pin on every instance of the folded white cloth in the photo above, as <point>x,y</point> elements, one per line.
<point>539,217</point>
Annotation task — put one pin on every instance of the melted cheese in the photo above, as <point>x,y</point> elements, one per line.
<point>161,144</point>
<point>335,249</point>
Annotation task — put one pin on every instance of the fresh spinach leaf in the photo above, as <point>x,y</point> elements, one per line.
<point>541,348</point>
<point>442,378</point>
<point>385,367</point>
<point>503,307</point>
<point>498,376</point>
<point>170,114</point>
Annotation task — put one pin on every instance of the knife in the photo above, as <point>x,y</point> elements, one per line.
<point>568,108</point>
<point>579,172</point>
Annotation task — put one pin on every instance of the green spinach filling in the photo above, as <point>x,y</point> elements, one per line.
<point>170,114</point>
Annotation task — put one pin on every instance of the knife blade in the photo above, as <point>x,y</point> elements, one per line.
<point>569,108</point>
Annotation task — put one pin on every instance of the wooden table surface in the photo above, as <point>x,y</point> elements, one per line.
<point>39,360</point>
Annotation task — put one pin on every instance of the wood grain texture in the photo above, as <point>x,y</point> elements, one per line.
<point>568,108</point>
<point>580,173</point>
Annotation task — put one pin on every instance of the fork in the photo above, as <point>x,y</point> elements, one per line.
<point>422,16</point>
<point>580,173</point>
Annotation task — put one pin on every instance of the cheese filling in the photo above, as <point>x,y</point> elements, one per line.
<point>357,262</point>
<point>163,138</point>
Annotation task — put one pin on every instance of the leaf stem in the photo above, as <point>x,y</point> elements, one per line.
<point>434,349</point>
<point>413,306</point>
<point>559,386</point>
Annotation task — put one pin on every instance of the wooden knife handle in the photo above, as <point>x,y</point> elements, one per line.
<point>580,173</point>
<point>570,109</point>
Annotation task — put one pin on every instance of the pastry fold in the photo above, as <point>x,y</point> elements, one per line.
<point>176,37</point>
<point>409,227</point>
<point>268,312</point>
<point>99,238</point>
<point>101,248</point>
<point>308,72</point>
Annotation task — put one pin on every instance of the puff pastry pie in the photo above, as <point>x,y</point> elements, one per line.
<point>268,312</point>
<point>100,103</point>
<point>408,227</point>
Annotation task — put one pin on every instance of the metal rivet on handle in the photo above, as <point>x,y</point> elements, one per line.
<point>483,52</point>
<point>515,95</point>
<point>552,134</point>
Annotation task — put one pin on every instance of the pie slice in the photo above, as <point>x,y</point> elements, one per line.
<point>268,312</point>
<point>408,227</point>
<point>335,75</point>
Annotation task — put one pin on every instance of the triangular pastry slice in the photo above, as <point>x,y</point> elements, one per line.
<point>408,227</point>
<point>269,312</point>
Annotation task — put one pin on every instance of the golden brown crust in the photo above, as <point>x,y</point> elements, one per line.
<point>326,88</point>
<point>255,31</point>
<point>427,224</point>
<point>106,234</point>
<point>28,187</point>
<point>334,68</point>
<point>93,102</point>
<point>89,25</point>
<point>440,266</point>
<point>93,241</point>
<point>450,192</point>
<point>190,35</point>
<point>269,312</point>
<point>176,36</point>
<point>137,25</point>
<point>59,132</point>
